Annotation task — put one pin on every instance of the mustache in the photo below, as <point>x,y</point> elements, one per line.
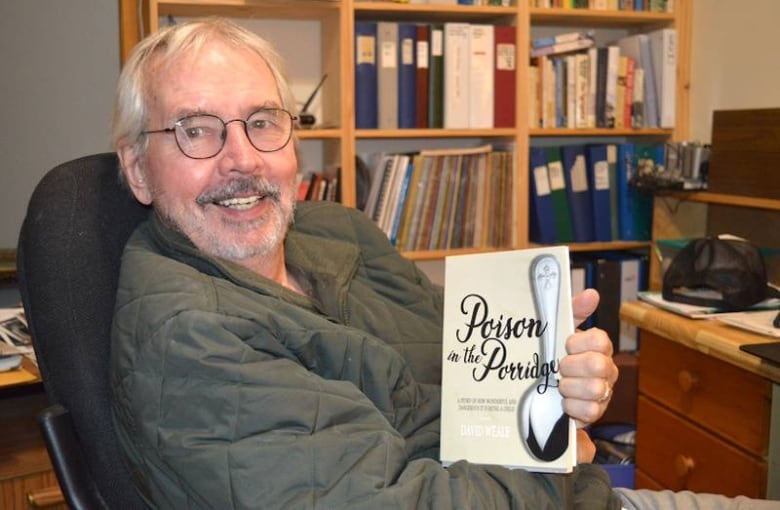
<point>243,185</point>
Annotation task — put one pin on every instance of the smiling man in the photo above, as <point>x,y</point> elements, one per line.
<point>268,355</point>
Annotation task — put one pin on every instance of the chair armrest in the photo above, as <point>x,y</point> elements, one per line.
<point>67,457</point>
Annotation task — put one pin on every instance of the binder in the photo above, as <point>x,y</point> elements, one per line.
<point>407,75</point>
<point>626,163</point>
<point>599,186</point>
<point>456,75</point>
<point>436,77</point>
<point>560,199</point>
<point>422,59</point>
<point>365,75</point>
<point>578,192</point>
<point>663,46</point>
<point>481,76</point>
<point>542,228</point>
<point>505,76</point>
<point>612,155</point>
<point>387,74</point>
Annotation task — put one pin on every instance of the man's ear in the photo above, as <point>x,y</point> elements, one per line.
<point>135,174</point>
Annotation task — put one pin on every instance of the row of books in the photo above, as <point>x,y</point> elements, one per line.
<point>619,276</point>
<point>609,5</point>
<point>319,186</point>
<point>628,84</point>
<point>444,199</point>
<point>584,193</point>
<point>441,75</point>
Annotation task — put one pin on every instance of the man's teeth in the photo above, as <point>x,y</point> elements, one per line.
<point>240,203</point>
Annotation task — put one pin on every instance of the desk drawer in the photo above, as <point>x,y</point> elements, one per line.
<point>679,455</point>
<point>716,395</point>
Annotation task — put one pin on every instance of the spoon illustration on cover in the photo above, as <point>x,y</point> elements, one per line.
<point>542,422</point>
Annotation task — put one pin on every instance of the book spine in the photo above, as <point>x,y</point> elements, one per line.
<point>436,78</point>
<point>456,75</point>
<point>366,113</point>
<point>423,68</point>
<point>481,76</point>
<point>505,76</point>
<point>407,76</point>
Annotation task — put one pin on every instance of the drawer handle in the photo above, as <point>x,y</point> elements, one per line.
<point>683,465</point>
<point>687,380</point>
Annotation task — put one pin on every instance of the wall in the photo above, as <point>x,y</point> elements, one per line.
<point>60,60</point>
<point>734,60</point>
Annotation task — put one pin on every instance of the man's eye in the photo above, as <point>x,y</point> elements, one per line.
<point>193,132</point>
<point>260,124</point>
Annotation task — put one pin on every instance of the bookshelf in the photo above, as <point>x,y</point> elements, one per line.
<point>340,142</point>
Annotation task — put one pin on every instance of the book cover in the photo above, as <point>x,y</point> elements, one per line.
<point>407,75</point>
<point>663,46</point>
<point>366,113</point>
<point>436,77</point>
<point>560,199</point>
<point>542,215</point>
<point>481,76</point>
<point>578,192</point>
<point>387,74</point>
<point>457,37</point>
<point>423,69</point>
<point>506,318</point>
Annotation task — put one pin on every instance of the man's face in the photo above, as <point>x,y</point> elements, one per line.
<point>239,203</point>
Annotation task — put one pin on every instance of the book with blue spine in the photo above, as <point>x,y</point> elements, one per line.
<point>599,185</point>
<point>407,75</point>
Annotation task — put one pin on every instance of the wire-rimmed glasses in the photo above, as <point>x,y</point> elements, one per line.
<point>202,135</point>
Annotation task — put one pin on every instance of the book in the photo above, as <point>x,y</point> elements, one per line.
<point>542,226</point>
<point>456,75</point>
<point>578,192</point>
<point>610,94</point>
<point>387,75</point>
<point>436,77</point>
<point>423,69</point>
<point>505,76</point>
<point>366,112</point>
<point>407,75</point>
<point>663,46</point>
<point>540,42</point>
<point>565,47</point>
<point>559,196</point>
<point>506,318</point>
<point>481,76</point>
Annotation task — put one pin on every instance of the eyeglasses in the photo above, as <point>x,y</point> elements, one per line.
<point>202,136</point>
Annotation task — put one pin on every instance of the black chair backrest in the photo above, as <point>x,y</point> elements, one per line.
<point>78,221</point>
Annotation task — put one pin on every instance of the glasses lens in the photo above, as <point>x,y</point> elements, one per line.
<point>200,136</point>
<point>269,129</point>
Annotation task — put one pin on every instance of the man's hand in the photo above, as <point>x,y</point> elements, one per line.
<point>588,372</point>
<point>586,449</point>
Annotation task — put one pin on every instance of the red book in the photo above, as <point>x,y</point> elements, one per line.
<point>423,59</point>
<point>505,76</point>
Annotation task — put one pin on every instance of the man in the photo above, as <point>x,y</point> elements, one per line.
<point>265,356</point>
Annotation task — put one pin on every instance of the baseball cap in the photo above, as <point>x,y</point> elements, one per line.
<point>726,272</point>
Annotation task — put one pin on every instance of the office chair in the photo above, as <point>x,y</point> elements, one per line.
<point>78,220</point>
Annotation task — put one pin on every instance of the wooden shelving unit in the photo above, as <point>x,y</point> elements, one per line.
<point>337,18</point>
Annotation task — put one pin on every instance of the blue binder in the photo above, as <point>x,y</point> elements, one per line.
<point>366,106</point>
<point>626,164</point>
<point>599,186</point>
<point>578,192</point>
<point>542,227</point>
<point>407,75</point>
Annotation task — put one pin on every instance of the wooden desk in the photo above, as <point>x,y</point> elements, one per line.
<point>708,414</point>
<point>26,473</point>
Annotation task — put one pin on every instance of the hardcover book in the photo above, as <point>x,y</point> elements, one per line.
<point>506,318</point>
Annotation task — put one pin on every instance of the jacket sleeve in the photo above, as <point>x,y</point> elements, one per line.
<point>219,412</point>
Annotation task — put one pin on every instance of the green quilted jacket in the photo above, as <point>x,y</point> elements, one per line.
<point>229,391</point>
